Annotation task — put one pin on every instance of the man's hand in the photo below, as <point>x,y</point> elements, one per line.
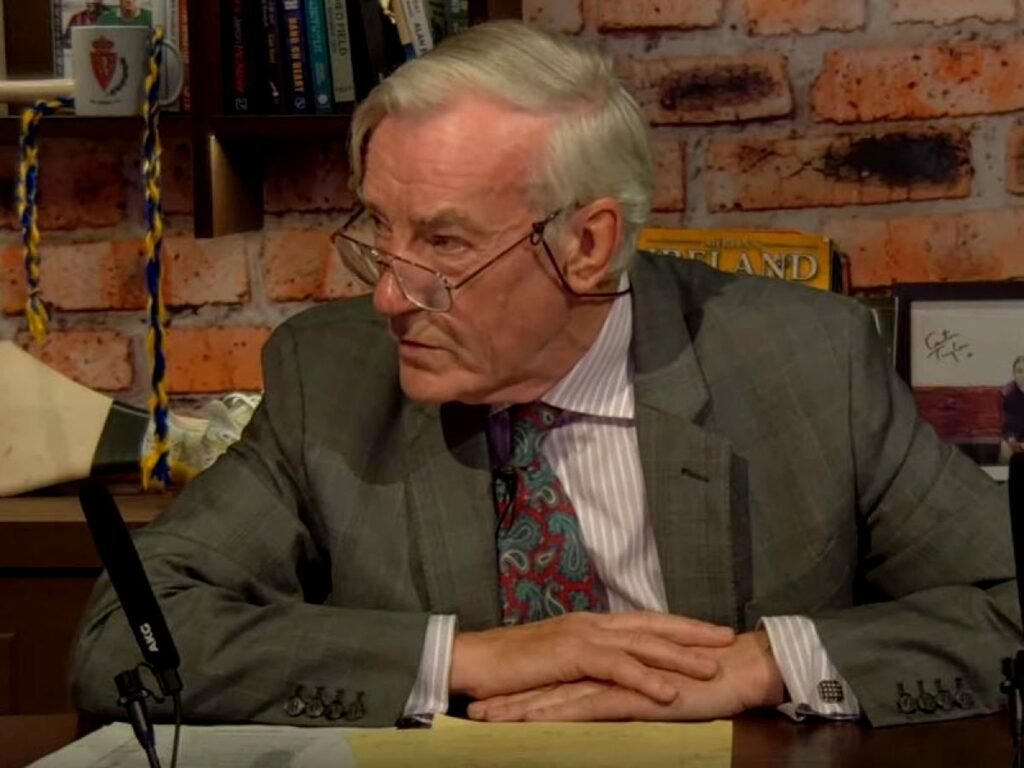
<point>747,678</point>
<point>638,651</point>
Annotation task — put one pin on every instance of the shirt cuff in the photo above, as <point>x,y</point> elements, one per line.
<point>814,684</point>
<point>429,695</point>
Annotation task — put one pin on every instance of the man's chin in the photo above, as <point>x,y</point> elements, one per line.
<point>422,387</point>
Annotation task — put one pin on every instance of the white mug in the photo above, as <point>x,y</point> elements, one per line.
<point>110,65</point>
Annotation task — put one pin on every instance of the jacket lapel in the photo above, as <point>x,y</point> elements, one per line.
<point>452,511</point>
<point>695,487</point>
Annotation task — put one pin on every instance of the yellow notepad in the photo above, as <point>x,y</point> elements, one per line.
<point>453,742</point>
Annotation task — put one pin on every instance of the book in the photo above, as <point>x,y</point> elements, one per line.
<point>186,57</point>
<point>808,259</point>
<point>319,57</point>
<point>271,67</point>
<point>339,43</point>
<point>417,19</point>
<point>297,85</point>
<point>376,47</point>
<point>438,19</point>
<point>237,95</point>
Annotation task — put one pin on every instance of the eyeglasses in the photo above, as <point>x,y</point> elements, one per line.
<point>422,286</point>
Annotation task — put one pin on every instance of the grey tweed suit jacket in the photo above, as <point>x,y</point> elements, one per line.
<point>786,472</point>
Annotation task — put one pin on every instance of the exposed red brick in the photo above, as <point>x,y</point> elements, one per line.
<point>564,16</point>
<point>787,17</point>
<point>879,167</point>
<point>669,175</point>
<point>210,271</point>
<point>951,11</point>
<point>710,89</point>
<point>98,359</point>
<point>215,359</point>
<point>971,246</point>
<point>657,14</point>
<point>302,264</point>
<point>1015,160</point>
<point>82,183</point>
<point>105,275</point>
<point>863,85</point>
<point>308,177</point>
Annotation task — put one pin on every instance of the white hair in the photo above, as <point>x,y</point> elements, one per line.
<point>598,146</point>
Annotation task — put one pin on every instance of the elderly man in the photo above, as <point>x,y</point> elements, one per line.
<point>559,480</point>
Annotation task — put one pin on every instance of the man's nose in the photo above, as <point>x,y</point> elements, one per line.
<point>388,298</point>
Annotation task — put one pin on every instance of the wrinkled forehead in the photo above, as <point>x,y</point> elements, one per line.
<point>470,150</point>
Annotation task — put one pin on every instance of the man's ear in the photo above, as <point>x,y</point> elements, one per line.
<point>592,242</point>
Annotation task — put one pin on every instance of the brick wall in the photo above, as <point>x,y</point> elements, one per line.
<point>891,125</point>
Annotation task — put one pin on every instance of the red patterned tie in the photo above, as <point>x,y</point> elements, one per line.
<point>543,565</point>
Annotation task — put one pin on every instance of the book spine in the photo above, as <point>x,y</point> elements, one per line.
<point>339,41</point>
<point>319,57</point>
<point>236,82</point>
<point>186,58</point>
<point>270,48</point>
<point>438,19</point>
<point>404,33</point>
<point>417,17</point>
<point>458,16</point>
<point>293,56</point>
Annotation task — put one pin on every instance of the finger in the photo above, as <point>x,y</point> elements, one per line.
<point>479,710</point>
<point>655,651</point>
<point>511,708</point>
<point>617,666</point>
<point>679,629</point>
<point>610,704</point>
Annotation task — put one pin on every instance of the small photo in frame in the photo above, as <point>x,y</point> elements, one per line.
<point>960,348</point>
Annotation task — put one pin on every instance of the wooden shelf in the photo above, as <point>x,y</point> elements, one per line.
<point>50,531</point>
<point>172,125</point>
<point>282,127</point>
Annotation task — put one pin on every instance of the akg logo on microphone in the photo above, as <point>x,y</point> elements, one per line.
<point>147,635</point>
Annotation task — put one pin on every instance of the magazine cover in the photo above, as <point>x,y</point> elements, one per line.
<point>798,258</point>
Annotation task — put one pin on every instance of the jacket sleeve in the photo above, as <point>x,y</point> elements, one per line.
<point>241,582</point>
<point>935,551</point>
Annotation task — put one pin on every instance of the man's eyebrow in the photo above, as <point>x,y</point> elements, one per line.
<point>446,217</point>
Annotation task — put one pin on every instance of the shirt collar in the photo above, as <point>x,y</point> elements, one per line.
<point>601,382</point>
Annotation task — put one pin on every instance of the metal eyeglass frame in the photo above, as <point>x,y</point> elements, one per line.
<point>384,258</point>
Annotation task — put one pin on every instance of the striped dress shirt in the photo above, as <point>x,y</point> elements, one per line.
<point>593,450</point>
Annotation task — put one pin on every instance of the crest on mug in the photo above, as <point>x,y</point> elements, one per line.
<point>103,59</point>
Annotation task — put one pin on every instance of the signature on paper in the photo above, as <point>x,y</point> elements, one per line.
<point>945,345</point>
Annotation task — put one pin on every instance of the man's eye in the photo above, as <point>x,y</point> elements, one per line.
<point>447,244</point>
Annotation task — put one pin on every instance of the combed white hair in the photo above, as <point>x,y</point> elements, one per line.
<point>598,146</point>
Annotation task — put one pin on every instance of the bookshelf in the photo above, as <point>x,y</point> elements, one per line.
<point>227,150</point>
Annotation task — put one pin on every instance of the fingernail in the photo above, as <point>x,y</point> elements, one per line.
<point>667,692</point>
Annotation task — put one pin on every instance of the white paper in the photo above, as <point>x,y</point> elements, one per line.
<point>965,343</point>
<point>213,746</point>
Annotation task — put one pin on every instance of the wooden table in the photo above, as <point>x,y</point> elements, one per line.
<point>759,741</point>
<point>48,566</point>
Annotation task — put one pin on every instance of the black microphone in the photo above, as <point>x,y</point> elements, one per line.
<point>1016,487</point>
<point>116,551</point>
<point>1013,668</point>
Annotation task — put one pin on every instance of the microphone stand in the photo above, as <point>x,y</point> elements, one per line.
<point>132,696</point>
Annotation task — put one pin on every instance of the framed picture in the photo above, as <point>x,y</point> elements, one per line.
<point>960,348</point>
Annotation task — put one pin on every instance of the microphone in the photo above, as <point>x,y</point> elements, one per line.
<point>1016,488</point>
<point>1013,668</point>
<point>116,551</point>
